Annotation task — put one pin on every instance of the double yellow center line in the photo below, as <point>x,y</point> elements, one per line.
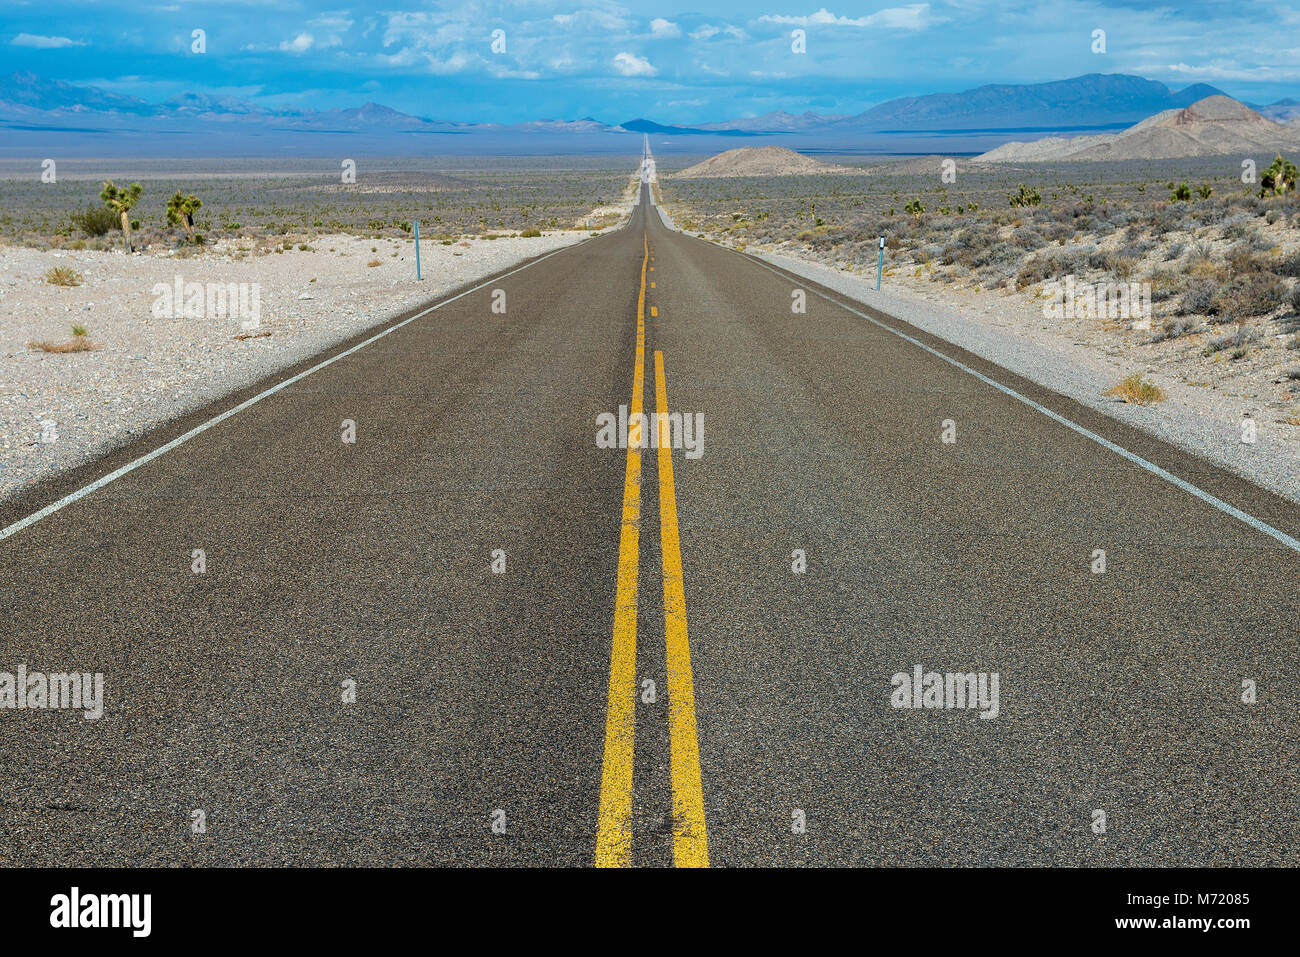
<point>614,831</point>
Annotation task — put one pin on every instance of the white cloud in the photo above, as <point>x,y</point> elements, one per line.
<point>426,30</point>
<point>457,62</point>
<point>332,26</point>
<point>914,16</point>
<point>337,22</point>
<point>1225,70</point>
<point>299,44</point>
<point>629,64</point>
<point>458,39</point>
<point>44,43</point>
<point>406,57</point>
<point>708,31</point>
<point>593,20</point>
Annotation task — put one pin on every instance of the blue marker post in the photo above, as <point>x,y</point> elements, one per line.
<point>418,277</point>
<point>880,267</point>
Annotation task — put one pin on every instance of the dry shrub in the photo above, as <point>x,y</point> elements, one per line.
<point>78,344</point>
<point>1135,390</point>
<point>62,276</point>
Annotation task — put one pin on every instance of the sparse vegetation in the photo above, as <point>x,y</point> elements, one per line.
<point>180,212</point>
<point>1176,330</point>
<point>95,220</point>
<point>1237,341</point>
<point>63,276</point>
<point>121,200</point>
<point>1136,390</point>
<point>1025,196</point>
<point>80,342</point>
<point>1243,296</point>
<point>451,197</point>
<point>1289,265</point>
<point>1278,178</point>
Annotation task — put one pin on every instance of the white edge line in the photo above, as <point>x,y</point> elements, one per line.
<point>99,483</point>
<point>1151,467</point>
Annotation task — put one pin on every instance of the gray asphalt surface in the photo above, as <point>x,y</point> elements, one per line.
<point>479,692</point>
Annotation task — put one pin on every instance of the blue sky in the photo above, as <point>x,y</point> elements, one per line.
<point>665,60</point>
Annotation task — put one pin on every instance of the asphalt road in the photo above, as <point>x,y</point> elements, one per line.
<point>503,718</point>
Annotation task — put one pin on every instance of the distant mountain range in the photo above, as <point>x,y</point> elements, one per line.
<point>1095,100</point>
<point>31,98</point>
<point>37,113</point>
<point>42,114</point>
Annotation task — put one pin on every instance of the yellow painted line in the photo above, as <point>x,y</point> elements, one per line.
<point>654,311</point>
<point>652,285</point>
<point>614,830</point>
<point>690,838</point>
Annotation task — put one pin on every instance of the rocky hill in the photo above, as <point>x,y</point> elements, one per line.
<point>760,161</point>
<point>1215,125</point>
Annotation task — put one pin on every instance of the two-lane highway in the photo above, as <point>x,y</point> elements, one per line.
<point>567,654</point>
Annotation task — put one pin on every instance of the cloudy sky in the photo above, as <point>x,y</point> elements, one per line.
<point>665,60</point>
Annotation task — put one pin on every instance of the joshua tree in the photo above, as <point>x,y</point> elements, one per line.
<point>120,201</point>
<point>1026,197</point>
<point>1180,194</point>
<point>1278,178</point>
<point>915,207</point>
<point>181,210</point>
